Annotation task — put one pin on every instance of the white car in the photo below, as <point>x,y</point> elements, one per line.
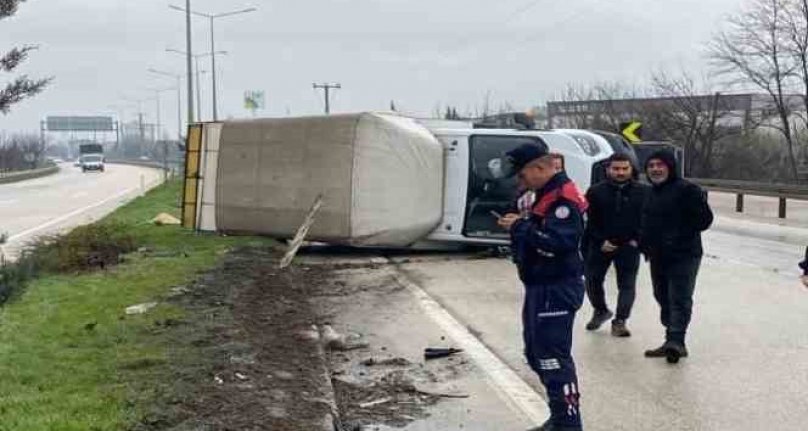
<point>92,162</point>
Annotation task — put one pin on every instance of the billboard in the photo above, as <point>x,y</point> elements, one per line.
<point>79,124</point>
<point>254,100</point>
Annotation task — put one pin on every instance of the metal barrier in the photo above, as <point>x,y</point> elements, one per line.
<point>740,188</point>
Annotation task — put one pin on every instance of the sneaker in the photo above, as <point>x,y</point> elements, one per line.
<point>619,329</point>
<point>598,319</point>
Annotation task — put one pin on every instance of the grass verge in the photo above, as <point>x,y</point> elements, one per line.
<point>70,357</point>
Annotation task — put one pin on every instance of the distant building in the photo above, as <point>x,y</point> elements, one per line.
<point>740,110</point>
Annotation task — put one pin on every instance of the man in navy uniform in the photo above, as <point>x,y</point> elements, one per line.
<point>545,240</point>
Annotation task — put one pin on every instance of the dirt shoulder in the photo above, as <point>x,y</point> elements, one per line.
<point>326,344</point>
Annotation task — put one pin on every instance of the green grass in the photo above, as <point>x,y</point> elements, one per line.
<point>69,356</point>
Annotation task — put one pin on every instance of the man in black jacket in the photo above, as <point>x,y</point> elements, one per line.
<point>674,216</point>
<point>804,267</point>
<point>612,235</point>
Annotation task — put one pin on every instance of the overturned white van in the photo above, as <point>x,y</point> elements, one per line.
<point>387,180</point>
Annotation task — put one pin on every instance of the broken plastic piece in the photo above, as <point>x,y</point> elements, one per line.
<point>435,353</point>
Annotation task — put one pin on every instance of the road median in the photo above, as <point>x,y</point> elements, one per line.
<point>13,177</point>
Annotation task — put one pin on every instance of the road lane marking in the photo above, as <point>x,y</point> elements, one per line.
<point>70,215</point>
<point>516,393</point>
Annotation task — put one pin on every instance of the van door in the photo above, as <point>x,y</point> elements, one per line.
<point>486,192</point>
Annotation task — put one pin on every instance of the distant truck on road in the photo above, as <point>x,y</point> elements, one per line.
<point>91,157</point>
<point>387,180</point>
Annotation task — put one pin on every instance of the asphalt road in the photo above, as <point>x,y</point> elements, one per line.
<point>748,340</point>
<point>69,198</point>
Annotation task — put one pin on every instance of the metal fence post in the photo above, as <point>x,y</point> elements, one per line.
<point>739,203</point>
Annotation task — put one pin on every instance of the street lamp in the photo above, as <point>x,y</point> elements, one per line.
<point>188,65</point>
<point>178,77</point>
<point>212,18</point>
<point>157,93</point>
<point>196,58</point>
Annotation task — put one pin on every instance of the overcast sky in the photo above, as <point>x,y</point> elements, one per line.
<point>419,53</point>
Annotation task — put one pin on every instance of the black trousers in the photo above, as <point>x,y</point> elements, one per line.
<point>547,332</point>
<point>626,263</point>
<point>674,283</point>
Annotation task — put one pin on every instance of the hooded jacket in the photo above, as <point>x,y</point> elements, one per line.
<point>674,215</point>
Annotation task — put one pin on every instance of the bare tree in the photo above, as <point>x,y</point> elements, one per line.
<point>20,87</point>
<point>755,50</point>
<point>683,114</point>
<point>597,106</point>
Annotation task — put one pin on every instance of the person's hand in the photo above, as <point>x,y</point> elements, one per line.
<point>608,247</point>
<point>804,279</point>
<point>507,221</point>
<point>634,243</point>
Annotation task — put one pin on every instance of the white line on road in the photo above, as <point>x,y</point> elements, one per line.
<point>69,215</point>
<point>510,387</point>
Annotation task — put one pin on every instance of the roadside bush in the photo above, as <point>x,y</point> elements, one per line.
<point>86,248</point>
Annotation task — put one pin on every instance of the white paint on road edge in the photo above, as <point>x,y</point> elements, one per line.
<point>68,216</point>
<point>516,393</point>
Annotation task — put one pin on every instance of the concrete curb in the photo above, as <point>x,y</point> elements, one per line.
<point>28,175</point>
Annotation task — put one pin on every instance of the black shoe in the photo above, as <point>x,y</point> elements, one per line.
<point>662,351</point>
<point>674,351</point>
<point>659,352</point>
<point>598,319</point>
<point>548,426</point>
<point>619,329</point>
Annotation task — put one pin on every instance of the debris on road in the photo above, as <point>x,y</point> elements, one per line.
<point>375,402</point>
<point>164,219</point>
<point>397,362</point>
<point>300,236</point>
<point>436,353</point>
<point>140,308</point>
<point>340,342</point>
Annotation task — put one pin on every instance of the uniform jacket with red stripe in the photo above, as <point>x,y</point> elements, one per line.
<point>546,243</point>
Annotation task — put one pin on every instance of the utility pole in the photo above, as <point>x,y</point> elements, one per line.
<point>327,87</point>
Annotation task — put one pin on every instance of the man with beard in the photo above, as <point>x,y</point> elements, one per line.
<point>612,235</point>
<point>674,216</point>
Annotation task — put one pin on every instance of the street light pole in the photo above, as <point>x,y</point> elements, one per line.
<point>212,18</point>
<point>178,78</point>
<point>197,73</point>
<point>189,53</point>
<point>213,69</point>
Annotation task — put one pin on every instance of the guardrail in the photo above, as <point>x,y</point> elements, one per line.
<point>174,167</point>
<point>741,188</point>
<point>12,177</point>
